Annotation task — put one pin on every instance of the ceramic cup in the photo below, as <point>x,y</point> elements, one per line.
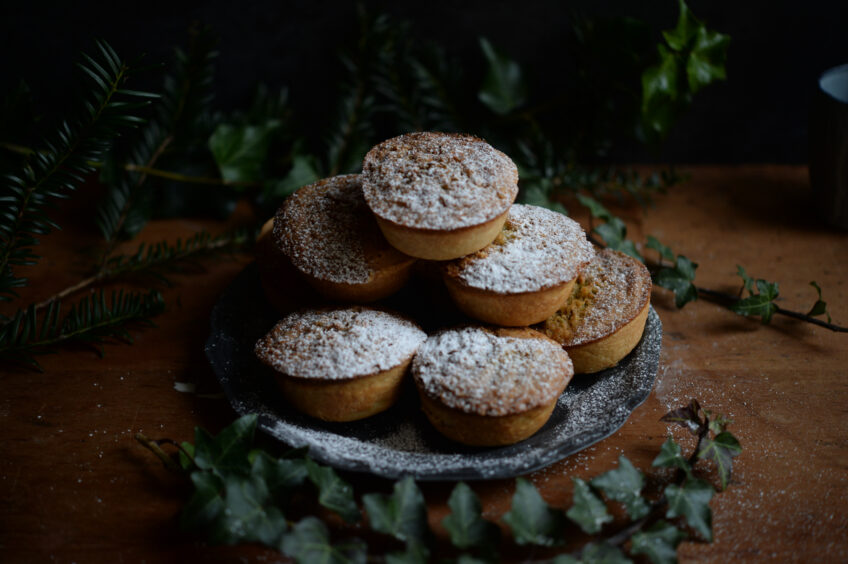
<point>828,143</point>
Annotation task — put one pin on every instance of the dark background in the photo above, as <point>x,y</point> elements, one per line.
<point>759,114</point>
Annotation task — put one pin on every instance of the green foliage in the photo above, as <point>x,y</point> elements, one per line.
<point>614,234</point>
<point>721,450</point>
<point>159,259</point>
<point>760,300</point>
<point>56,169</point>
<point>92,320</point>
<point>465,524</point>
<point>309,543</point>
<point>820,307</point>
<point>531,519</point>
<point>624,484</point>
<point>658,542</point>
<point>671,456</point>
<point>692,58</point>
<point>179,116</point>
<point>664,251</point>
<point>503,89</point>
<point>241,494</point>
<point>402,515</point>
<point>691,500</point>
<point>333,492</point>
<point>241,150</point>
<point>588,511</point>
<point>679,279</point>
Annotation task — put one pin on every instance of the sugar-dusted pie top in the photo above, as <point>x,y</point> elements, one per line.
<point>610,292</point>
<point>328,232</point>
<point>438,181</point>
<point>337,344</point>
<point>536,249</point>
<point>492,371</point>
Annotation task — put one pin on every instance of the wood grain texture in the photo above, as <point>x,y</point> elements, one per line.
<point>75,487</point>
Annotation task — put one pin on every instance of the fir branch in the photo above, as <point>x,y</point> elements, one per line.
<point>93,320</point>
<point>158,259</point>
<point>56,170</point>
<point>163,257</point>
<point>185,99</point>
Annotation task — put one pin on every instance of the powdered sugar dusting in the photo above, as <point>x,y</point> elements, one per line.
<point>479,371</point>
<point>537,249</point>
<point>438,181</point>
<point>321,228</point>
<point>339,344</point>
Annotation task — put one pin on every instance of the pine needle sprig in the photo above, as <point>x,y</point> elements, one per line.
<point>159,259</point>
<point>51,173</point>
<point>179,115</point>
<point>93,320</point>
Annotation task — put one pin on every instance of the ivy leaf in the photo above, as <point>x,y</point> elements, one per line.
<point>281,476</point>
<point>226,453</point>
<point>679,280</point>
<point>602,553</point>
<point>531,520</point>
<point>757,304</point>
<point>206,502</point>
<point>468,559</point>
<point>659,93</point>
<point>685,31</point>
<point>614,233</point>
<point>588,510</point>
<point>333,492</point>
<point>692,502</point>
<point>249,514</point>
<point>415,553</point>
<point>503,88</point>
<point>402,514</point>
<point>688,416</point>
<point>820,307</point>
<point>186,455</point>
<point>535,195</point>
<point>465,524</point>
<point>747,281</point>
<point>241,150</point>
<point>624,484</point>
<point>658,542</point>
<point>670,456</point>
<point>308,542</point>
<point>718,422</point>
<point>722,449</point>
<point>706,62</point>
<point>305,170</point>
<point>664,251</point>
<point>595,207</point>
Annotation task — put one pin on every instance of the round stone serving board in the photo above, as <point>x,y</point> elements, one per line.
<point>400,441</point>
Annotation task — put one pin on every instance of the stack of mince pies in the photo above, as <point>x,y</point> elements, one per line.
<point>540,304</point>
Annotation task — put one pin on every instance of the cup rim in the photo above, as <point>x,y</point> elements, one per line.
<point>837,70</point>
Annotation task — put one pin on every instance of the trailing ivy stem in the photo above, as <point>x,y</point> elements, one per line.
<point>153,446</point>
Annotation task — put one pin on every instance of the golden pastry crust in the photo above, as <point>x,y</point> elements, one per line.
<point>605,315</point>
<point>328,233</point>
<point>439,195</point>
<point>340,364</point>
<point>483,386</point>
<point>526,273</point>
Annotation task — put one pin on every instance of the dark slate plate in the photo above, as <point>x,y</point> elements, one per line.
<point>400,441</point>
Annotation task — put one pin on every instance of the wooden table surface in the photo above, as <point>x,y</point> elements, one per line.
<point>76,487</point>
